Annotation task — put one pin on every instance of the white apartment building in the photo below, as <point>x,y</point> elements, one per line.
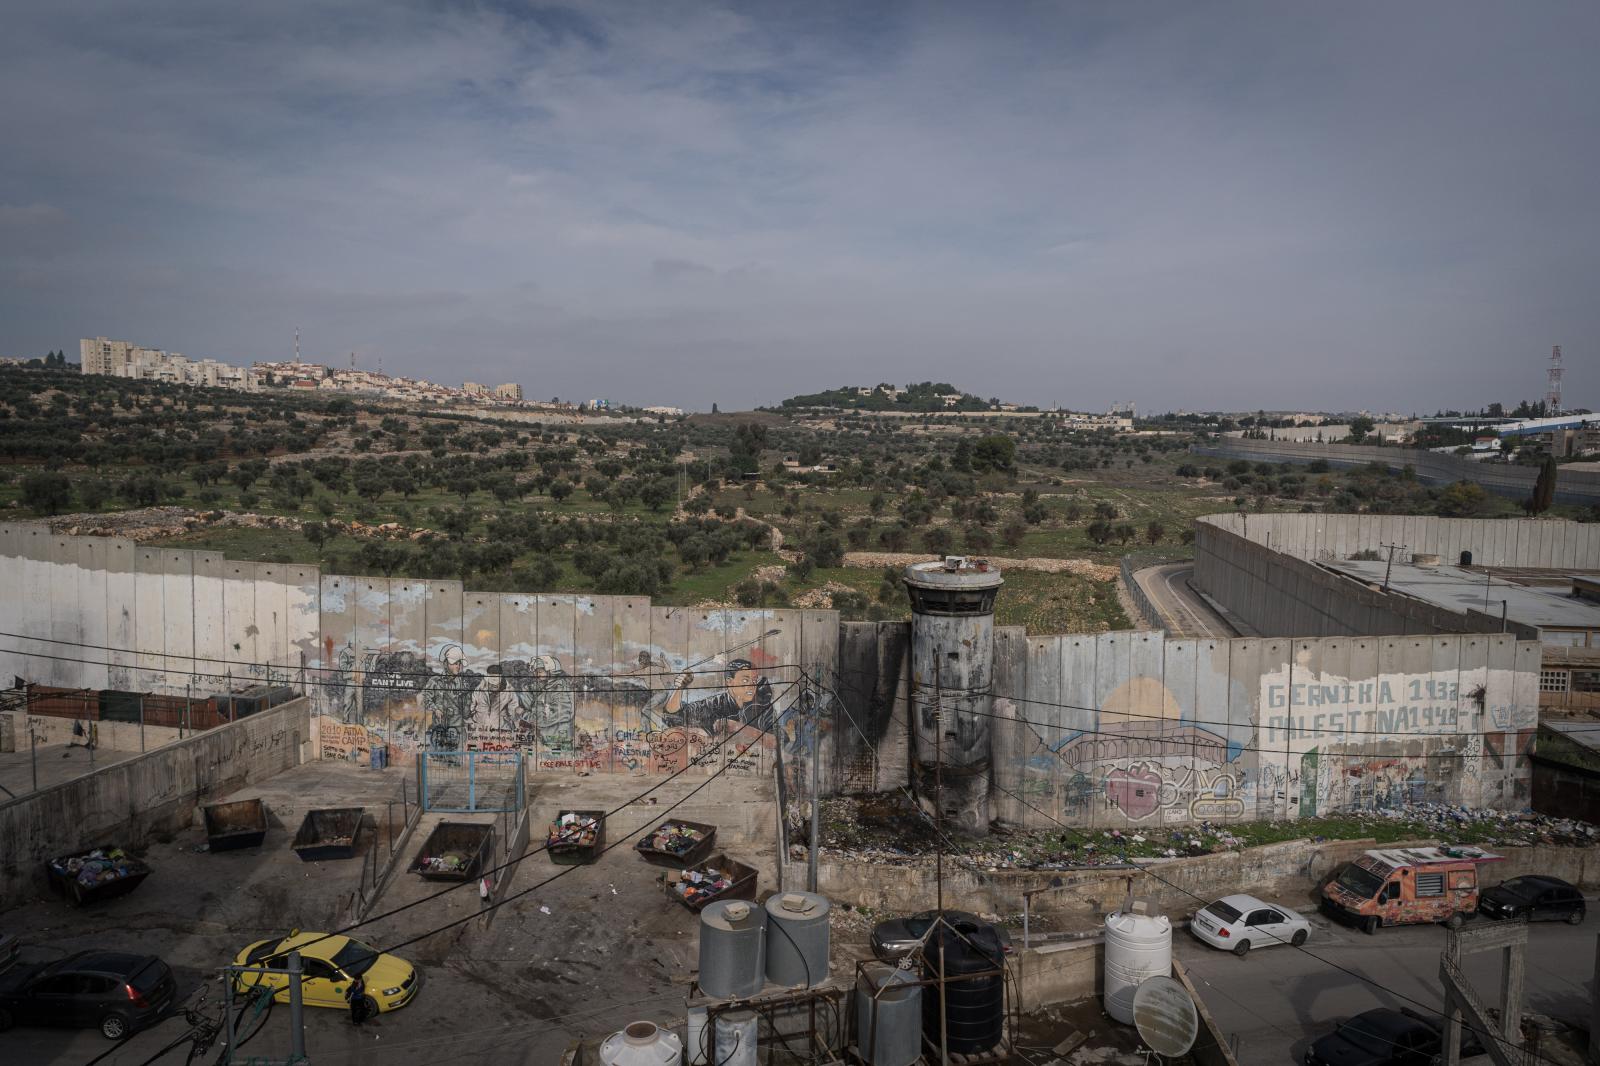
<point>123,359</point>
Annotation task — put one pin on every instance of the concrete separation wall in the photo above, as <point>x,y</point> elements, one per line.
<point>131,802</point>
<point>593,683</point>
<point>1136,730</point>
<point>1434,468</point>
<point>1547,543</point>
<point>1260,570</point>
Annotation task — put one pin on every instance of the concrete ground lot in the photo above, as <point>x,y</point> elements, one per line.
<point>611,949</point>
<point>1277,1001</point>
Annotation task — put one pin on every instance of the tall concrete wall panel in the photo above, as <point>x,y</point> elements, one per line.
<point>1539,542</point>
<point>1240,564</point>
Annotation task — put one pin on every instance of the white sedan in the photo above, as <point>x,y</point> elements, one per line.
<point>1239,923</point>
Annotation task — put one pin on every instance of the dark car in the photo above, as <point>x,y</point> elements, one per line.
<point>111,991</point>
<point>899,937</point>
<point>1385,1037</point>
<point>1534,898</point>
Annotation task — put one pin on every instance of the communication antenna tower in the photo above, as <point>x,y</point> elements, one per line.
<point>1553,397</point>
<point>297,346</point>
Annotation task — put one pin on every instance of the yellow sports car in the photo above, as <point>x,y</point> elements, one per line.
<point>329,965</point>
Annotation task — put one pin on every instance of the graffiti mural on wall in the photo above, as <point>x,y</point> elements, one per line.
<point>1151,756</point>
<point>662,711</point>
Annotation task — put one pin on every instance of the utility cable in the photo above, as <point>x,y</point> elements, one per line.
<point>1294,730</point>
<point>1148,872</point>
<point>688,765</point>
<point>718,671</point>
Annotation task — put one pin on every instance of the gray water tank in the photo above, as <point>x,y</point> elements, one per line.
<point>733,949</point>
<point>797,939</point>
<point>898,1010</point>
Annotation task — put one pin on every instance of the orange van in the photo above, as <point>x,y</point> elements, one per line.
<point>1407,886</point>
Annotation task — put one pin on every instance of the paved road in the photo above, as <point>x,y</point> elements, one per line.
<point>1278,1000</point>
<point>1184,612</point>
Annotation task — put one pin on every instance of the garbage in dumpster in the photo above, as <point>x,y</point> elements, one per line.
<point>678,843</point>
<point>719,877</point>
<point>450,862</point>
<point>101,864</point>
<point>572,829</point>
<point>97,874</point>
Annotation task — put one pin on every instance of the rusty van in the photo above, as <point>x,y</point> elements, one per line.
<point>1407,886</point>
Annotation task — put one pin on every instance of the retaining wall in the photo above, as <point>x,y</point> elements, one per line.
<point>1434,468</point>
<point>131,802</point>
<point>1293,871</point>
<point>116,736</point>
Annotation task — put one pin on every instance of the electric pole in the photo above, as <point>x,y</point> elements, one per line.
<point>1389,569</point>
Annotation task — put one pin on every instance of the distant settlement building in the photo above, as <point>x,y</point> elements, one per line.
<point>123,359</point>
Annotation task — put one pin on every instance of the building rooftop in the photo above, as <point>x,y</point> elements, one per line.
<point>1459,589</point>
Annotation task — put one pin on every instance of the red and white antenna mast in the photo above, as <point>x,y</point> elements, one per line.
<point>1552,398</point>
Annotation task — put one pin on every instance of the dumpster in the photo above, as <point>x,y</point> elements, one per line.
<point>719,877</point>
<point>576,837</point>
<point>97,874</point>
<point>380,756</point>
<point>330,833</point>
<point>241,824</point>
<point>678,843</point>
<point>455,851</point>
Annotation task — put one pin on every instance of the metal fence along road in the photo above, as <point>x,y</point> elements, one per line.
<point>463,782</point>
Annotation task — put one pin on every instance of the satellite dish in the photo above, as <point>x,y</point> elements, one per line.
<point>1165,1016</point>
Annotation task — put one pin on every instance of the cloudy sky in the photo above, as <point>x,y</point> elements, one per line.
<point>1382,205</point>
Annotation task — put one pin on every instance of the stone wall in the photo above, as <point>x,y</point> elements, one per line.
<point>130,802</point>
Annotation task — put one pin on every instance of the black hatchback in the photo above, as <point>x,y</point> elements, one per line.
<point>114,992</point>
<point>1534,898</point>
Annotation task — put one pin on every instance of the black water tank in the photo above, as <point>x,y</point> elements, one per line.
<point>1466,558</point>
<point>975,1008</point>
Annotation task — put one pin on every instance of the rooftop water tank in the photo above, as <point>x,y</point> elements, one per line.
<point>891,998</point>
<point>641,1044</point>
<point>1138,946</point>
<point>733,949</point>
<point>736,1033</point>
<point>974,1007</point>
<point>797,939</point>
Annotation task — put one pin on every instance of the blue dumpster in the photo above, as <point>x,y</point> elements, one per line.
<point>380,756</point>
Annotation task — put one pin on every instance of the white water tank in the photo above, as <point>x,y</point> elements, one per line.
<point>1138,946</point>
<point>642,1044</point>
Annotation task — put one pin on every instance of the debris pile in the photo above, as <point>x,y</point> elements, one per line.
<point>1483,826</point>
<point>890,829</point>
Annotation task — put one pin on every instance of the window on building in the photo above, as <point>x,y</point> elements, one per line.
<point>1553,680</point>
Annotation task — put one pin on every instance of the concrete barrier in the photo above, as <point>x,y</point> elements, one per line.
<point>133,801</point>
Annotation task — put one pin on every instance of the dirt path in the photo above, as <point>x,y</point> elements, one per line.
<point>1081,567</point>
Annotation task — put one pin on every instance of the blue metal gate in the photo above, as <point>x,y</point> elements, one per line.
<point>466,781</point>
